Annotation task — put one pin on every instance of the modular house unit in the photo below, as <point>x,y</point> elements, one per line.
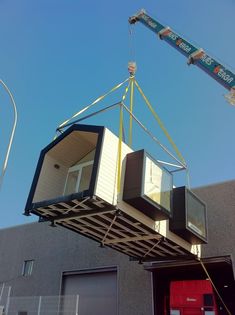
<point>76,186</point>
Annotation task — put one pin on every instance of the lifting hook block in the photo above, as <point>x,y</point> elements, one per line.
<point>132,67</point>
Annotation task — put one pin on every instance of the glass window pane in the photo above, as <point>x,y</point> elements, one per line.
<point>208,299</point>
<point>196,215</point>
<point>71,182</point>
<point>28,267</point>
<point>85,178</point>
<point>158,184</point>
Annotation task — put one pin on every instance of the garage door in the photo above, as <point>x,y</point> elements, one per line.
<point>97,291</point>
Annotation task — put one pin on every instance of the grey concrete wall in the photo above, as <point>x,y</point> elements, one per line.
<point>220,200</point>
<point>56,250</point>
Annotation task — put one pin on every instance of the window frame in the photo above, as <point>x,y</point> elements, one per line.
<point>27,269</point>
<point>77,167</point>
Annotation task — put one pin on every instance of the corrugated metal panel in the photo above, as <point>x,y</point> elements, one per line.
<point>97,292</point>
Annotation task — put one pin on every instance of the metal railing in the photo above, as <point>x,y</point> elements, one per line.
<point>39,305</point>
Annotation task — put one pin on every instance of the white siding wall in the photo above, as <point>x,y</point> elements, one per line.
<point>106,185</point>
<point>106,188</point>
<point>51,180</point>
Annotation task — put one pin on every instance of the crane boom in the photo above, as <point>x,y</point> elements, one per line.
<point>196,56</point>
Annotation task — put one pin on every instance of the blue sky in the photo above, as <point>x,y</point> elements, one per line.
<point>57,56</point>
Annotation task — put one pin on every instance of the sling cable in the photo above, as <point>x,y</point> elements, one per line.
<point>130,85</point>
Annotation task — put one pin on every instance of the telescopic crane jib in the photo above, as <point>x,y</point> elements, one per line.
<point>196,56</point>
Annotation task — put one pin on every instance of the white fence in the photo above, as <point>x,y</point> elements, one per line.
<point>5,292</point>
<point>37,305</point>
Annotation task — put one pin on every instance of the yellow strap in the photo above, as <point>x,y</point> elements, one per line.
<point>120,150</point>
<point>208,276</point>
<point>123,99</point>
<point>92,104</point>
<point>160,124</point>
<point>131,110</point>
<point>120,140</point>
<point>126,91</point>
<point>188,178</point>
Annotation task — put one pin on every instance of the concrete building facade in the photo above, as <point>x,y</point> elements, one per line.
<point>56,251</point>
<point>59,255</point>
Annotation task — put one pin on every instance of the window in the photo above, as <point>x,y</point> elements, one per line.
<point>157,184</point>
<point>208,299</point>
<point>79,175</point>
<point>27,267</point>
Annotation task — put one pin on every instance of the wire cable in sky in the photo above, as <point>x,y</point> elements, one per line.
<point>12,132</point>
